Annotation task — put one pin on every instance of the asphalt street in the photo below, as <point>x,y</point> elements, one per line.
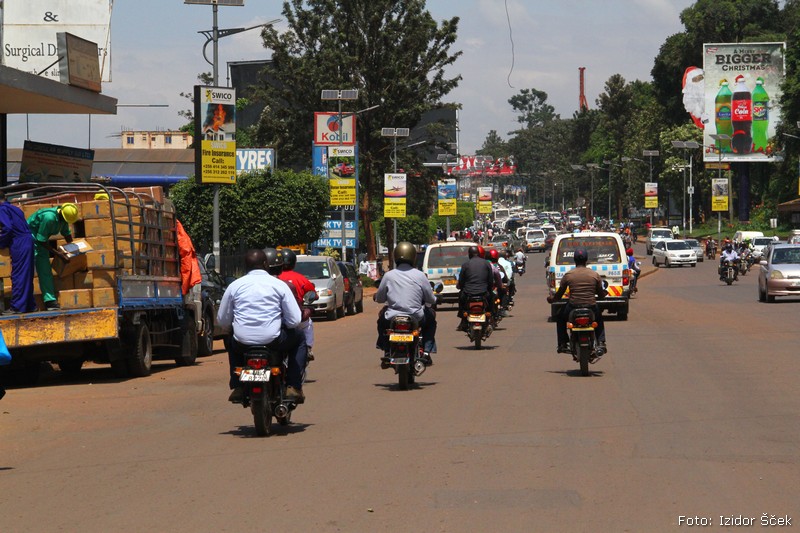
<point>694,414</point>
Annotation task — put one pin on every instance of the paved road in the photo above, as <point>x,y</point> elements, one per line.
<point>694,412</point>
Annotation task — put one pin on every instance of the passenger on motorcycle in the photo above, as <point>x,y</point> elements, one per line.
<point>260,310</point>
<point>407,291</point>
<point>634,268</point>
<point>728,254</point>
<point>508,267</point>
<point>300,286</point>
<point>585,287</point>
<point>475,279</point>
<point>501,282</point>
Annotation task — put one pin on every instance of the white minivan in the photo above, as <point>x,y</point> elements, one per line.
<point>442,263</point>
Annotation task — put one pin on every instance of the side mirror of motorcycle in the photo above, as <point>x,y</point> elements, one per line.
<point>762,263</point>
<point>210,262</point>
<point>439,287</point>
<point>309,297</point>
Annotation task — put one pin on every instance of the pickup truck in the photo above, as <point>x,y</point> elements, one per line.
<point>121,302</point>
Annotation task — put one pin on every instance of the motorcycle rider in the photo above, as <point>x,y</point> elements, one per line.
<point>475,279</point>
<point>728,254</point>
<point>585,287</point>
<point>301,285</point>
<point>508,267</point>
<point>406,291</point>
<point>259,309</point>
<point>520,258</point>
<point>634,268</point>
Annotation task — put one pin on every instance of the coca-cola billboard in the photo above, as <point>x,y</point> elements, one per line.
<point>741,86</point>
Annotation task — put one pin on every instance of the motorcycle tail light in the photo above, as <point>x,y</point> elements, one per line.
<point>582,321</point>
<point>347,284</point>
<point>275,371</point>
<point>402,326</point>
<point>257,363</point>
<point>256,390</point>
<point>594,325</point>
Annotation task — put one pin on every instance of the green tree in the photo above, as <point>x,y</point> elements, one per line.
<point>533,109</point>
<point>494,146</point>
<point>262,209</point>
<point>392,51</point>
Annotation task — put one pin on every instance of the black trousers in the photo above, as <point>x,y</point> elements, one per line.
<point>427,329</point>
<point>563,316</point>
<point>289,340</point>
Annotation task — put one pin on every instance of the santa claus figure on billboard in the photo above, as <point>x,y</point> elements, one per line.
<point>694,95</point>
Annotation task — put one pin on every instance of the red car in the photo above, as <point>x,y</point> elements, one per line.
<point>343,169</point>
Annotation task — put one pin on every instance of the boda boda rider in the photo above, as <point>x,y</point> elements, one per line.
<point>260,310</point>
<point>585,286</point>
<point>475,279</point>
<point>500,283</point>
<point>301,285</point>
<point>406,291</point>
<point>728,254</point>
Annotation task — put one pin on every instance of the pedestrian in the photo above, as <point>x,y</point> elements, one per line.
<point>44,224</point>
<point>16,236</point>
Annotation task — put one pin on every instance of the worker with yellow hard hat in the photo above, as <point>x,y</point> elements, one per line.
<point>44,224</point>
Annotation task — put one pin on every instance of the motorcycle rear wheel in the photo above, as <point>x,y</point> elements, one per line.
<point>262,415</point>
<point>583,359</point>
<point>478,339</point>
<point>403,374</point>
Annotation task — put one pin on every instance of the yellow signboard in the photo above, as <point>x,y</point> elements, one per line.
<point>447,208</point>
<point>343,191</point>
<point>394,208</point>
<point>719,194</point>
<point>651,202</point>
<point>215,127</point>
<point>485,207</point>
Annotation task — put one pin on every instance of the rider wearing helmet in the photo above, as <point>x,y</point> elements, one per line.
<point>585,287</point>
<point>728,254</point>
<point>406,291</point>
<point>259,309</point>
<point>44,224</point>
<point>300,286</point>
<point>475,279</point>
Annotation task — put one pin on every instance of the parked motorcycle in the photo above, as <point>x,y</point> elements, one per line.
<point>582,338</point>
<point>479,321</point>
<point>727,272</point>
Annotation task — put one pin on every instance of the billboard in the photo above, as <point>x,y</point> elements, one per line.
<point>719,194</point>
<point>252,159</point>
<point>215,126</point>
<point>742,90</point>
<point>30,27</point>
<point>394,195</point>
<point>447,198</point>
<point>651,195</point>
<point>43,163</point>
<point>484,200</point>
<point>328,131</point>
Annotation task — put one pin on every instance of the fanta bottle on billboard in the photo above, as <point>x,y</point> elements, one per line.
<point>722,115</point>
<point>760,116</point>
<point>742,117</point>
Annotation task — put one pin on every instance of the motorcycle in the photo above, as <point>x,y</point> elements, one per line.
<point>479,321</point>
<point>263,381</point>
<point>728,272</point>
<point>582,338</point>
<point>519,268</point>
<point>635,273</point>
<point>711,250</point>
<point>406,348</point>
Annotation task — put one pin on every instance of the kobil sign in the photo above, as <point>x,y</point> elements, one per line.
<point>30,27</point>
<point>215,127</point>
<point>328,131</point>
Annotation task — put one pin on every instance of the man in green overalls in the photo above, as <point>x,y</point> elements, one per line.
<point>45,223</point>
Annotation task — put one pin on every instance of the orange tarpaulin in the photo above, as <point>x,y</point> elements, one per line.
<point>190,271</point>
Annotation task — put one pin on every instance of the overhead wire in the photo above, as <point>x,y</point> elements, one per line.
<point>511,38</point>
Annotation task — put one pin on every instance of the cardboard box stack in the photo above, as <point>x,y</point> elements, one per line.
<point>144,245</point>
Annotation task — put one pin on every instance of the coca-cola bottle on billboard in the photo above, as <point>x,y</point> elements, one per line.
<point>742,117</point>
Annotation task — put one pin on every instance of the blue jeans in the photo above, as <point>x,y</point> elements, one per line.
<point>291,341</point>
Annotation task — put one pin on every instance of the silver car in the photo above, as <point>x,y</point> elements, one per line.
<point>779,274</point>
<point>323,272</point>
<point>695,245</point>
<point>671,252</point>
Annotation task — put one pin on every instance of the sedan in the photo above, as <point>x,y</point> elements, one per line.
<point>779,274</point>
<point>324,273</point>
<point>353,288</point>
<point>695,245</point>
<point>673,252</point>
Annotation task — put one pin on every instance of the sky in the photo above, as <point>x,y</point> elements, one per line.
<point>157,54</point>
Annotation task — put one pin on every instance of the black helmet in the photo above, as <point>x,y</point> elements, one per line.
<point>580,256</point>
<point>274,258</point>
<point>405,252</point>
<point>472,252</point>
<point>289,259</point>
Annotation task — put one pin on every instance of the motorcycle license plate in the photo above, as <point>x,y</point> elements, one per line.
<point>401,337</point>
<point>476,318</point>
<point>252,374</point>
<point>399,361</point>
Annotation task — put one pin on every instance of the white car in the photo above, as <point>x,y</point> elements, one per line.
<point>671,252</point>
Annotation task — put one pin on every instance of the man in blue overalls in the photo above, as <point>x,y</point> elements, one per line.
<point>16,236</point>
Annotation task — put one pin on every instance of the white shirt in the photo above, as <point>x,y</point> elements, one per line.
<point>256,305</point>
<point>520,257</point>
<point>506,265</point>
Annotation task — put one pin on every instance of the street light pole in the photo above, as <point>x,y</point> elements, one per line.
<point>592,167</point>
<point>717,146</point>
<point>394,133</point>
<point>650,154</point>
<point>687,145</point>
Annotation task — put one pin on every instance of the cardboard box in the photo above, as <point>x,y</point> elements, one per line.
<point>154,192</point>
<point>5,263</point>
<point>29,209</point>
<point>100,259</point>
<point>104,297</point>
<point>76,247</point>
<point>102,243</point>
<point>102,209</point>
<point>83,280</point>
<point>97,227</point>
<point>61,284</point>
<point>104,279</point>
<point>62,269</point>
<point>75,299</point>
